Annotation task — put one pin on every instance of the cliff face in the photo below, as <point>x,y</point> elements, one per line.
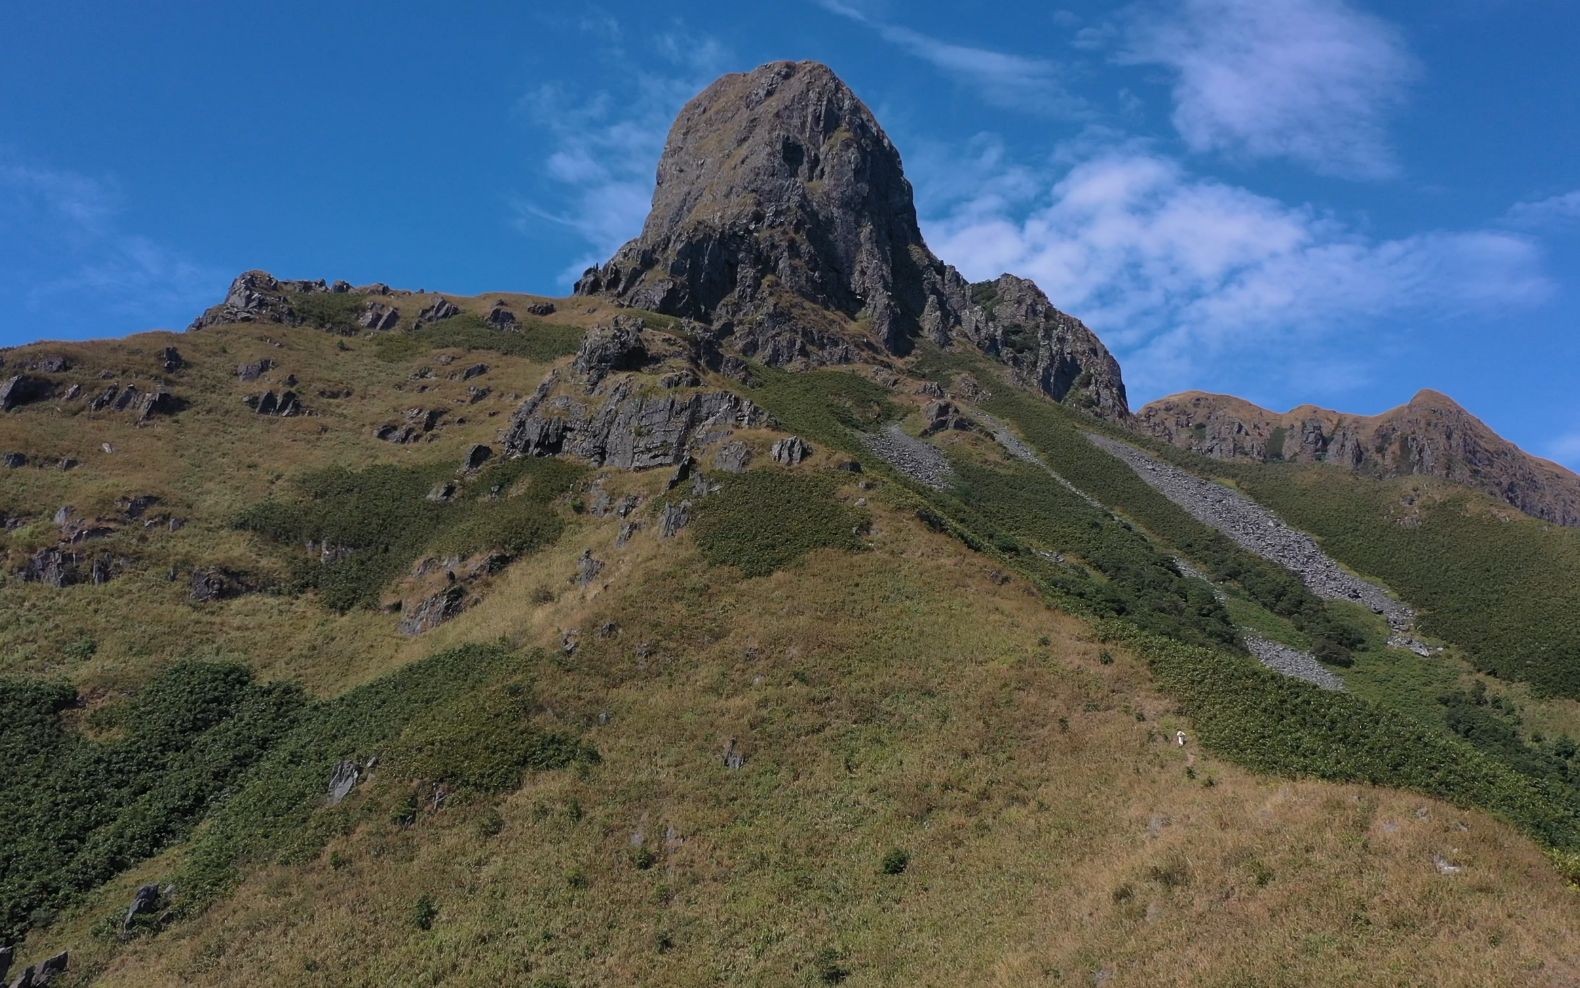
<point>1430,436</point>
<point>783,219</point>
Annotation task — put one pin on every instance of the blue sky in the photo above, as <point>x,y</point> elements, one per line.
<point>1290,200</point>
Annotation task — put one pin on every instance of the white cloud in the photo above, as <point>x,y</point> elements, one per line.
<point>1314,81</point>
<point>1552,211</point>
<point>601,150</point>
<point>1566,450</point>
<point>1002,78</point>
<point>1181,273</point>
<point>70,262</point>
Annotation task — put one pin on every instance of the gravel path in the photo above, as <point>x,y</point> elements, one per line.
<point>913,457</point>
<point>1260,531</point>
<point>1291,661</point>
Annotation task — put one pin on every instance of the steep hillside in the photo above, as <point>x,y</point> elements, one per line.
<point>1431,436</point>
<point>764,613</point>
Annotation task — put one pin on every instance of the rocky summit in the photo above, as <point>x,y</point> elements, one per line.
<point>1431,436</point>
<point>782,218</point>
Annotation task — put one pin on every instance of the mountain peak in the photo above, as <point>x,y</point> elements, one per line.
<point>782,217</point>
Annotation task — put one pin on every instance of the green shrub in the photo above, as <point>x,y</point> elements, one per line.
<point>533,339</point>
<point>762,520</point>
<point>336,312</point>
<point>894,862</point>
<point>424,912</point>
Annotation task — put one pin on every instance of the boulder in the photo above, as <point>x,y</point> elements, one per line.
<point>13,460</point>
<point>541,309</point>
<point>159,401</point>
<point>943,415</point>
<point>442,308</point>
<point>476,457</point>
<point>733,457</point>
<point>145,900</point>
<point>378,316</point>
<point>171,360</point>
<point>215,583</point>
<point>790,451</point>
<point>476,370</point>
<point>673,517</point>
<point>342,779</point>
<point>616,346</point>
<point>49,363</point>
<point>500,317</point>
<point>434,611</point>
<point>255,369</point>
<point>24,389</point>
<point>587,568</point>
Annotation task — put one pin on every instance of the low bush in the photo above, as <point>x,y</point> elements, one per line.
<point>533,339</point>
<point>762,520</point>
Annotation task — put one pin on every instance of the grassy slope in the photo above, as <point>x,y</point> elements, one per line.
<point>892,698</point>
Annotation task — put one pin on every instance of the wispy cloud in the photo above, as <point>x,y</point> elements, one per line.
<point>1566,450</point>
<point>1313,81</point>
<point>70,262</point>
<point>1002,78</point>
<point>602,149</point>
<point>1182,273</point>
<point>1553,211</point>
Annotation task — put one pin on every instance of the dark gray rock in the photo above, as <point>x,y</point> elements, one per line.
<point>159,401</point>
<point>13,460</point>
<point>541,309</point>
<point>24,389</point>
<point>943,415</point>
<point>145,900</point>
<point>171,360</point>
<point>673,517</point>
<point>733,457</point>
<point>255,296</point>
<point>49,363</point>
<point>476,370</point>
<point>734,757</point>
<point>476,457</point>
<point>500,317</point>
<point>255,369</point>
<point>442,308</point>
<point>215,583</point>
<point>605,349</point>
<point>434,611</point>
<point>790,451</point>
<point>378,317</point>
<point>445,491</point>
<point>342,779</point>
<point>52,567</point>
<point>587,568</point>
<point>136,505</point>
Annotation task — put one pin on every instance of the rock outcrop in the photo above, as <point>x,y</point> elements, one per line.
<point>1430,436</point>
<point>782,217</point>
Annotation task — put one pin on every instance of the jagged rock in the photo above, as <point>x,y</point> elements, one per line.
<point>378,317</point>
<point>50,566</point>
<point>442,308</point>
<point>733,457</point>
<point>171,360</point>
<point>1431,435</point>
<point>673,517</point>
<point>790,450</point>
<point>158,402</point>
<point>943,415</point>
<point>342,779</point>
<point>681,474</point>
<point>616,346</point>
<point>13,460</point>
<point>24,389</point>
<point>255,369</point>
<point>136,505</point>
<point>500,317</point>
<point>475,394</point>
<point>627,529</point>
<point>145,900</point>
<point>255,296</point>
<point>49,363</point>
<point>476,370</point>
<point>476,456</point>
<point>434,611</point>
<point>608,629</point>
<point>1048,349</point>
<point>282,405</point>
<point>570,640</point>
<point>587,568</point>
<point>67,463</point>
<point>625,428</point>
<point>734,757</point>
<point>213,584</point>
<point>73,393</point>
<point>541,309</point>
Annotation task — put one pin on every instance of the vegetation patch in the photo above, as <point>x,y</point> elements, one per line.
<point>534,339</point>
<point>762,520</point>
<point>370,524</point>
<point>81,811</point>
<point>825,406</point>
<point>336,312</point>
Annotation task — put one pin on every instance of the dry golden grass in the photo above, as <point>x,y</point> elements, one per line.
<point>895,698</point>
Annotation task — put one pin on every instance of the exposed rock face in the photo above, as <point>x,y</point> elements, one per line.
<point>624,427</point>
<point>606,349</point>
<point>1048,349</point>
<point>379,317</point>
<point>1431,436</point>
<point>434,611</point>
<point>790,450</point>
<point>782,213</point>
<point>255,296</point>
